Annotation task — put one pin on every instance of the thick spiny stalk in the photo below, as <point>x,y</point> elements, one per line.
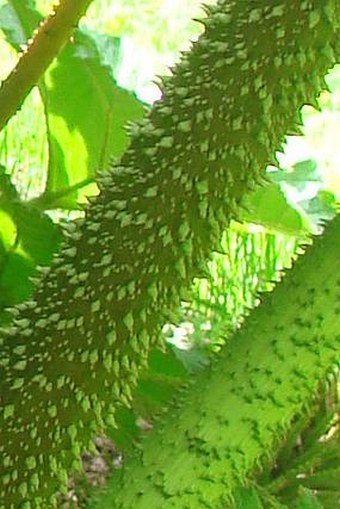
<point>239,409</point>
<point>75,350</point>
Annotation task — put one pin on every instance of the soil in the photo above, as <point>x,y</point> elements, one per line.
<point>96,469</point>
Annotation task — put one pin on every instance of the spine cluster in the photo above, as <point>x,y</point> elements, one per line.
<point>231,420</point>
<point>74,351</point>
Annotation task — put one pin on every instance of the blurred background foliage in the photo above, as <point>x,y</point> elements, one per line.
<point>73,125</point>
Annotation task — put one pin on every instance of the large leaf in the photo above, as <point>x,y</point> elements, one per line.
<point>303,188</point>
<point>268,206</point>
<point>15,285</point>
<point>293,202</point>
<point>302,172</point>
<point>28,237</point>
<point>86,111</point>
<point>18,19</point>
<point>157,386</point>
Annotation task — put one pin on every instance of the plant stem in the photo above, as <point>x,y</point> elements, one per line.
<point>47,200</point>
<point>48,40</point>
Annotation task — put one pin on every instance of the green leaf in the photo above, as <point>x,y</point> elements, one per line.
<point>86,112</point>
<point>157,386</point>
<point>38,236</point>
<point>166,365</point>
<point>320,208</point>
<point>7,189</point>
<point>86,115</point>
<point>17,21</point>
<point>28,237</point>
<point>302,172</point>
<point>8,230</point>
<point>320,205</point>
<point>307,500</point>
<point>246,498</point>
<point>268,206</point>
<point>15,285</point>
<point>196,357</point>
<point>158,383</point>
<point>127,431</point>
<point>108,47</point>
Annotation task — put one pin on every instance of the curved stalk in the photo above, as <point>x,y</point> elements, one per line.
<point>48,40</point>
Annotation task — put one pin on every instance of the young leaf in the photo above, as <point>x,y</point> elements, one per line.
<point>268,207</point>
<point>28,238</point>
<point>87,113</point>
<point>18,19</point>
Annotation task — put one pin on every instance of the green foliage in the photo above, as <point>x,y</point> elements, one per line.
<point>83,114</point>
<point>268,206</point>
<point>85,110</point>
<point>242,407</point>
<point>28,238</point>
<point>158,384</point>
<point>246,498</point>
<point>123,271</point>
<point>306,467</point>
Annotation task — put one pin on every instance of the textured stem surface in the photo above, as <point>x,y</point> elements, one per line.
<point>74,351</point>
<point>238,410</point>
